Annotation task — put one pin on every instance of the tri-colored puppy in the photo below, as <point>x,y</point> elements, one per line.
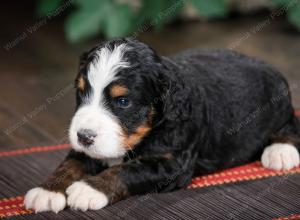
<point>143,120</point>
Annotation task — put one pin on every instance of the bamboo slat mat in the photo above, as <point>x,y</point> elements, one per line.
<point>246,192</point>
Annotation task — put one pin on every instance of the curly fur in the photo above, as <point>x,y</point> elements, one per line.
<point>197,112</point>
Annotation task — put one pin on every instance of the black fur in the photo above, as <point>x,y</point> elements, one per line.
<point>214,109</point>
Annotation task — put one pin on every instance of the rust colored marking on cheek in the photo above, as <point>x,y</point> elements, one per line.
<point>118,90</point>
<point>81,83</point>
<point>133,139</point>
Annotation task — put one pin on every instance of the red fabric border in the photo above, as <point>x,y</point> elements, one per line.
<point>253,171</point>
<point>33,150</point>
<point>14,206</point>
<point>291,217</point>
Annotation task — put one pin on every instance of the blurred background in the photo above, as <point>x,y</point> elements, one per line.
<point>41,41</point>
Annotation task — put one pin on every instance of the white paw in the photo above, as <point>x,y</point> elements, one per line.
<point>42,200</point>
<point>280,157</point>
<point>82,197</point>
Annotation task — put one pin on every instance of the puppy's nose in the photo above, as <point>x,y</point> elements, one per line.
<point>86,137</point>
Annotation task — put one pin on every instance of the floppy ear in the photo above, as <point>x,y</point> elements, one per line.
<point>176,97</point>
<point>81,69</point>
<point>83,58</point>
<point>80,82</point>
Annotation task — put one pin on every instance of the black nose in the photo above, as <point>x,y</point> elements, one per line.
<point>86,137</point>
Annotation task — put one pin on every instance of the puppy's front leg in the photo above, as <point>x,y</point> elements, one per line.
<point>138,176</point>
<point>50,196</point>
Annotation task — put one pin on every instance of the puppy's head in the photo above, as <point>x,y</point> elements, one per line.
<point>117,89</point>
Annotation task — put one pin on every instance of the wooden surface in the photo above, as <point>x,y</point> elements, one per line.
<point>37,97</point>
<point>37,103</point>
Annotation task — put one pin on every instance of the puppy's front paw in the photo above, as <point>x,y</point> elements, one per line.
<point>280,157</point>
<point>82,197</point>
<point>42,200</point>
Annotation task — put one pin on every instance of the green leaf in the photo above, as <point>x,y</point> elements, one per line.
<point>85,23</point>
<point>280,2</point>
<point>151,9</point>
<point>159,12</point>
<point>88,4</point>
<point>169,12</point>
<point>211,8</point>
<point>119,21</point>
<point>45,7</point>
<point>294,15</point>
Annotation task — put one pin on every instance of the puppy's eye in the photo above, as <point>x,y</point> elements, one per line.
<point>123,102</point>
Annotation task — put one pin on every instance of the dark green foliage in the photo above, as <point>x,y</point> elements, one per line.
<point>211,8</point>
<point>112,19</point>
<point>47,6</point>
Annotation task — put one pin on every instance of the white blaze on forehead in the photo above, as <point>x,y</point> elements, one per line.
<point>103,70</point>
<point>93,115</point>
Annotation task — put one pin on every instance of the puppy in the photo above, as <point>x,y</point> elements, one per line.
<point>146,123</point>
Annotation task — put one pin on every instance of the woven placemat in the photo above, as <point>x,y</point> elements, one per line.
<point>14,205</point>
<point>21,170</point>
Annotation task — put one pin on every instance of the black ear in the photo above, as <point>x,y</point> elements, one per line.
<point>176,103</point>
<point>81,76</point>
<point>83,58</point>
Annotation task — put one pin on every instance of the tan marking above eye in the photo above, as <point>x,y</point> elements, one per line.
<point>81,83</point>
<point>118,90</point>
